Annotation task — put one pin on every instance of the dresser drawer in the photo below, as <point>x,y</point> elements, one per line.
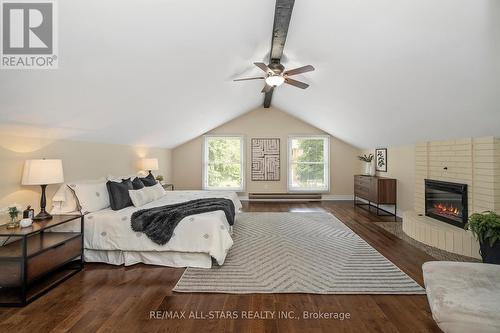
<point>361,180</point>
<point>53,257</point>
<point>361,189</point>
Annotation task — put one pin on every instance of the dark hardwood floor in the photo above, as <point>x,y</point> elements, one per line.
<point>105,298</point>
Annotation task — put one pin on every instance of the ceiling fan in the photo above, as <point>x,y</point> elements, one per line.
<point>276,76</point>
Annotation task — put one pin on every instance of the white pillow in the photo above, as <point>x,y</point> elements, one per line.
<point>146,195</point>
<point>91,196</point>
<point>158,190</point>
<point>64,200</point>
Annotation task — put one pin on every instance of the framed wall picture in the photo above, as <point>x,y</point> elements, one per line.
<point>381,159</point>
<point>266,159</point>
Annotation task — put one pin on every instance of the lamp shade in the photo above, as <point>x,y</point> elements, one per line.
<point>42,172</point>
<point>150,164</point>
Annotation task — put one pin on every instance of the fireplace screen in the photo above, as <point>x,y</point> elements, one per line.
<point>446,202</point>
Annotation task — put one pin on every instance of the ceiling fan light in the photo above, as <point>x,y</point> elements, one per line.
<point>275,80</point>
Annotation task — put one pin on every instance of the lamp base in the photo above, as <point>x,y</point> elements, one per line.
<point>43,215</point>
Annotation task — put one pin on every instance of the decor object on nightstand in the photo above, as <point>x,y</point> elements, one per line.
<point>381,159</point>
<point>25,223</point>
<point>160,179</point>
<point>42,172</point>
<point>13,213</point>
<point>369,168</point>
<point>28,213</point>
<point>149,164</point>
<point>486,228</point>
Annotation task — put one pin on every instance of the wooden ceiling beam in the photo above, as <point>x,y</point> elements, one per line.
<point>282,16</point>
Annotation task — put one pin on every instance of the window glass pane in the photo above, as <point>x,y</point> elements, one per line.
<point>307,150</point>
<point>308,176</point>
<point>224,150</point>
<point>223,163</point>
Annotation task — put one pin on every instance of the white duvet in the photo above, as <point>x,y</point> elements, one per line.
<point>207,233</point>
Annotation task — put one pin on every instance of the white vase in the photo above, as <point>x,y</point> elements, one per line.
<point>372,168</point>
<point>367,169</point>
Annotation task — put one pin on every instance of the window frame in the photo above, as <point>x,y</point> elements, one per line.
<point>326,164</point>
<point>205,162</point>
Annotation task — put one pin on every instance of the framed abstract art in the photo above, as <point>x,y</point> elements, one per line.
<point>266,159</point>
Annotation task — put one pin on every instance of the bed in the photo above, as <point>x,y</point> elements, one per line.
<point>198,240</point>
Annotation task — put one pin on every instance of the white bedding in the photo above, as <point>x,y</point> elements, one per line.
<point>207,233</point>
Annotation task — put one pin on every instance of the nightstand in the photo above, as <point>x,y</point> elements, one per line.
<point>168,187</point>
<point>38,258</point>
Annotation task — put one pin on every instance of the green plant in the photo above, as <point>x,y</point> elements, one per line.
<point>366,158</point>
<point>159,178</point>
<point>485,226</point>
<point>13,212</point>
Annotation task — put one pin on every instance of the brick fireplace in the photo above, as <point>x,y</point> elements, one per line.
<point>471,164</point>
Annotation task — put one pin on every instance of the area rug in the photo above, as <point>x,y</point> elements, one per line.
<point>298,253</point>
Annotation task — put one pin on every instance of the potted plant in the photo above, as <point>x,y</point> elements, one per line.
<point>486,228</point>
<point>160,179</point>
<point>369,167</point>
<point>13,213</point>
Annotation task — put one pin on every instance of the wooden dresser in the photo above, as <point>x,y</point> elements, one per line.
<point>376,191</point>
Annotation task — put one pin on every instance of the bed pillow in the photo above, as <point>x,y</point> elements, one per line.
<point>149,180</point>
<point>118,193</point>
<point>146,195</point>
<point>140,197</point>
<point>64,200</point>
<point>157,191</point>
<point>90,197</point>
<point>137,183</point>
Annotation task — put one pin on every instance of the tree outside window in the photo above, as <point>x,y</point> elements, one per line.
<point>308,163</point>
<point>223,163</point>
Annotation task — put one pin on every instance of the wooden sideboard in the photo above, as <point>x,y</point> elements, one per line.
<point>376,191</point>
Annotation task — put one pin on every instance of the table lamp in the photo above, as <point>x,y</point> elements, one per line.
<point>42,172</point>
<point>150,164</point>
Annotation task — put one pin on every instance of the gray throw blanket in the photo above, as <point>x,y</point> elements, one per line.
<point>158,223</point>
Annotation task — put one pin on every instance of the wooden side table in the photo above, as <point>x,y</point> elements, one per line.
<point>36,259</point>
<point>168,187</point>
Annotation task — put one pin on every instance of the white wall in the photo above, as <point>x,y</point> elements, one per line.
<point>267,123</point>
<point>81,160</point>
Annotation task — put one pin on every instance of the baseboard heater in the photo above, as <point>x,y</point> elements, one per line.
<point>284,196</point>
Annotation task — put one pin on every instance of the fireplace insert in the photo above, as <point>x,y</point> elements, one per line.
<point>446,202</point>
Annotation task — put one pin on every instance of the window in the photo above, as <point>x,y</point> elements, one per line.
<point>308,163</point>
<point>223,159</point>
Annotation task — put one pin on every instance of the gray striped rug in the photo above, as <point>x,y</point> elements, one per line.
<point>298,253</point>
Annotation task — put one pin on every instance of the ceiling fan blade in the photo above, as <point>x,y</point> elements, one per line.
<point>300,70</point>
<point>250,78</point>
<point>264,67</point>
<point>296,83</point>
<point>267,88</point>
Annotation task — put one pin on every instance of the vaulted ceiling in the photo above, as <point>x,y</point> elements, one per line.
<point>159,73</point>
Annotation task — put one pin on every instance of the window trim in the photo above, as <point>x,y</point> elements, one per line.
<point>205,163</point>
<point>326,139</point>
